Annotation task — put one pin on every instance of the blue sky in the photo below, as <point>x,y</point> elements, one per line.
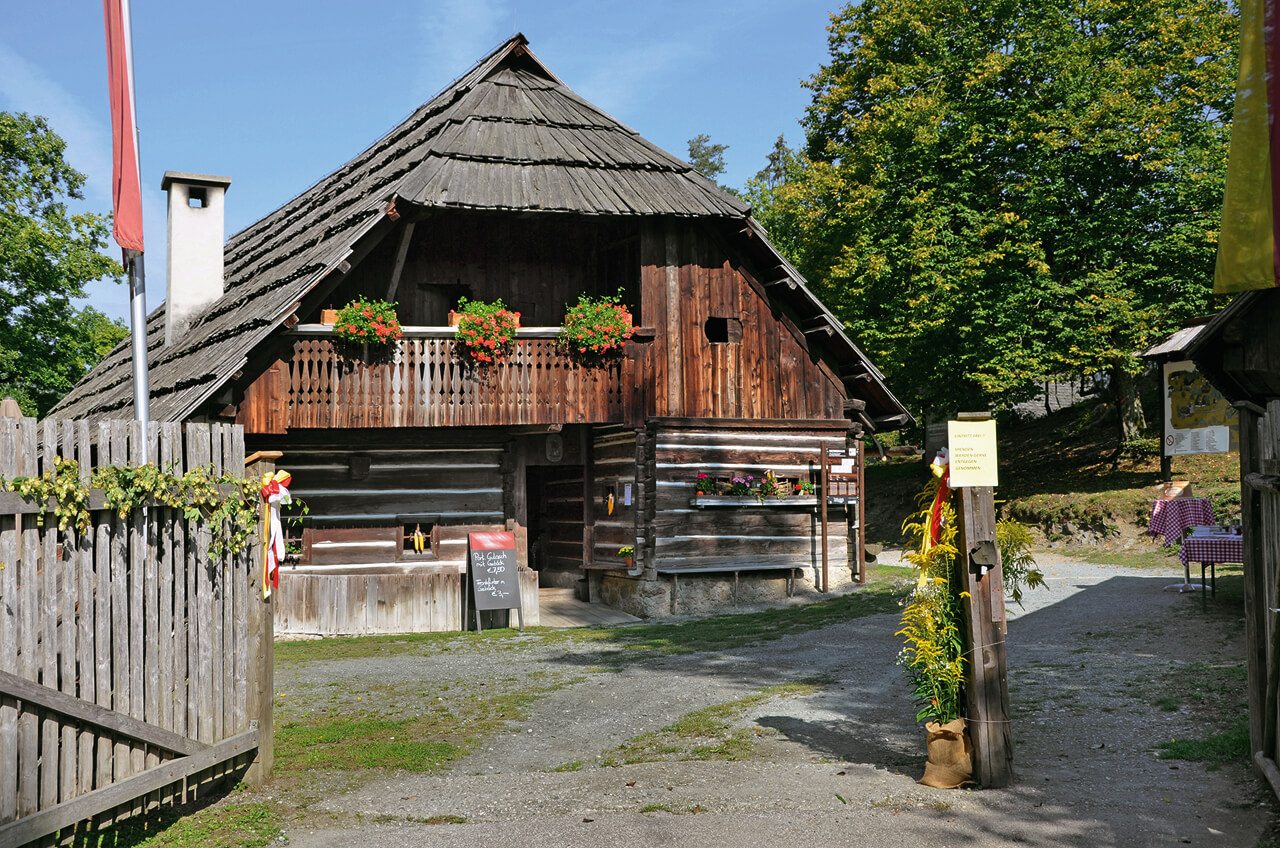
<point>276,93</point>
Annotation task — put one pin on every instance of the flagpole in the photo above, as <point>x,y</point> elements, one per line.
<point>138,329</point>
<point>127,198</point>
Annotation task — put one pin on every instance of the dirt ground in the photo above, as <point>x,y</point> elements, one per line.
<point>804,740</point>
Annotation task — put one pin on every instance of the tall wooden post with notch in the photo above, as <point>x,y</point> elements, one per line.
<point>262,655</point>
<point>987,672</point>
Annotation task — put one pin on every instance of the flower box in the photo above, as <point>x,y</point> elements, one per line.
<point>328,317</point>
<point>750,501</point>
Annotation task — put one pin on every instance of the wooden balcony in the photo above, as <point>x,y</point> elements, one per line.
<point>423,382</point>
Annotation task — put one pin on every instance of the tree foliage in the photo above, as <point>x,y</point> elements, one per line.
<point>47,256</point>
<point>707,158</point>
<point>998,191</point>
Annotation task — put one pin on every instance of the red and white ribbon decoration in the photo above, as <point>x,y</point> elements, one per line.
<point>275,493</point>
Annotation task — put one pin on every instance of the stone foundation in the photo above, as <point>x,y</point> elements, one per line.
<point>703,594</point>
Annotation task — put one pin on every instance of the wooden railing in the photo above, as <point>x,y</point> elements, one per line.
<point>422,382</point>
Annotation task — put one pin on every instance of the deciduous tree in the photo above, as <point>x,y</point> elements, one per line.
<point>47,256</point>
<point>997,191</point>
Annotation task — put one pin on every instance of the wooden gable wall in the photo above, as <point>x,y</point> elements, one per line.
<point>687,276</point>
<point>538,264</point>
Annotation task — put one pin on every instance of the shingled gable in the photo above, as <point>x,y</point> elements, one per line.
<point>507,135</point>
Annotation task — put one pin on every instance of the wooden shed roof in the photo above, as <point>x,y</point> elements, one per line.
<point>506,135</point>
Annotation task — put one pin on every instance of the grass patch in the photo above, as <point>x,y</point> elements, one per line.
<point>1215,694</point>
<point>229,825</point>
<point>443,819</point>
<point>1149,558</point>
<point>441,734</point>
<point>885,586</point>
<point>572,765</point>
<point>705,734</point>
<point>724,632</point>
<point>1217,749</point>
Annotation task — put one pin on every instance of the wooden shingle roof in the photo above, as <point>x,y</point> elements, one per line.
<point>507,135</point>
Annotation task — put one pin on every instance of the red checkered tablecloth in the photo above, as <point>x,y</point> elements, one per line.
<point>1171,518</point>
<point>1216,547</point>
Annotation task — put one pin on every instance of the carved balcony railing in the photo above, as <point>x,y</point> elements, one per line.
<point>422,382</point>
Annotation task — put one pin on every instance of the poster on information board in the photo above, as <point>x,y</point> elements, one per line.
<point>1197,418</point>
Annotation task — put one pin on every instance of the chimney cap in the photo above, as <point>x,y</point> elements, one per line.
<point>187,178</point>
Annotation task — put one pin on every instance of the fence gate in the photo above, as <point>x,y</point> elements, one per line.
<point>134,668</point>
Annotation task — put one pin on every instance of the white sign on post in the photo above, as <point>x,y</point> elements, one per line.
<point>971,446</point>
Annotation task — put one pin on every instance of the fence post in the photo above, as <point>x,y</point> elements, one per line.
<point>987,672</point>
<point>261,623</point>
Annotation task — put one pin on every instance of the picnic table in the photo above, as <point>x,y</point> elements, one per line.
<point>1173,517</point>
<point>1210,546</point>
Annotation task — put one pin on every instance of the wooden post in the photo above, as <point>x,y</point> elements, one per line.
<point>1255,588</point>
<point>986,673</point>
<point>862,510</point>
<point>822,510</point>
<point>261,623</point>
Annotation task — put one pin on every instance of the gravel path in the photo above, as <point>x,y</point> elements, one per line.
<point>838,764</point>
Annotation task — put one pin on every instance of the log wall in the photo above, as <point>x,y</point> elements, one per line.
<point>688,537</point>
<point>766,370</point>
<point>614,465</point>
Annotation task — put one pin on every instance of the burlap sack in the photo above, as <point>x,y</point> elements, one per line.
<point>950,763</point>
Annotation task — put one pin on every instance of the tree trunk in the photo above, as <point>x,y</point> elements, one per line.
<point>1128,404</point>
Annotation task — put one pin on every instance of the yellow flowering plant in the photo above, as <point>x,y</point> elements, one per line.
<point>933,646</point>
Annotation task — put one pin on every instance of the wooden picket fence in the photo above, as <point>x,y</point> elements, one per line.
<point>135,670</point>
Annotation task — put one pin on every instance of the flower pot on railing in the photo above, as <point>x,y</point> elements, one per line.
<point>454,317</point>
<point>328,317</point>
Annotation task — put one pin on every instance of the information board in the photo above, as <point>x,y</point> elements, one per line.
<point>1197,418</point>
<point>971,446</point>
<point>495,575</point>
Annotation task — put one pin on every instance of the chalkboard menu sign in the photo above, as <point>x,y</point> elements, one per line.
<point>494,574</point>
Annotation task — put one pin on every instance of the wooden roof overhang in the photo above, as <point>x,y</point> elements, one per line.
<point>1239,348</point>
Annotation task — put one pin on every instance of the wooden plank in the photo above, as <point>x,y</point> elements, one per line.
<point>200,602</point>
<point>101,800</point>
<point>102,608</point>
<point>84,658</point>
<point>169,635</point>
<point>116,723</point>
<point>1255,579</point>
<point>137,602</point>
<point>67,588</point>
<point>50,727</point>
<point>240,577</point>
<point>9,624</point>
<point>28,599</point>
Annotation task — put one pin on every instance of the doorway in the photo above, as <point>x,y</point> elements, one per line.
<point>556,522</point>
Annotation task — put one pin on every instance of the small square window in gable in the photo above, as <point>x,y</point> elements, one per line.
<point>723,330</point>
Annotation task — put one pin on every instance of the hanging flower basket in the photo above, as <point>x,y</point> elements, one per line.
<point>596,328</point>
<point>486,331</point>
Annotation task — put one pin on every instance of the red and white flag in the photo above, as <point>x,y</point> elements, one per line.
<point>126,195</point>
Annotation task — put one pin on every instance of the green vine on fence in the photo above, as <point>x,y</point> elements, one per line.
<point>201,495</point>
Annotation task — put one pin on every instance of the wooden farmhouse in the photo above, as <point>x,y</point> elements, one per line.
<point>509,185</point>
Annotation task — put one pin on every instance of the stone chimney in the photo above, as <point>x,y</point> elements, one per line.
<point>196,234</point>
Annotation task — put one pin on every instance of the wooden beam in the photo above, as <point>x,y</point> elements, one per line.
<point>885,422</point>
<point>819,326</point>
<point>118,723</point>
<point>854,405</point>
<point>402,251</point>
<point>1263,482</point>
<point>262,456</point>
<point>788,281</point>
<point>87,806</point>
